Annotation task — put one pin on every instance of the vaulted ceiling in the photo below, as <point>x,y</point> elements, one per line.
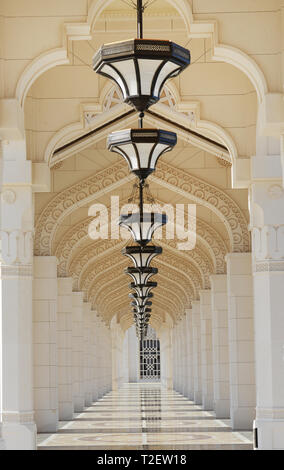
<point>70,100</point>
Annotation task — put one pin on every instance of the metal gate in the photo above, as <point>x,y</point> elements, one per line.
<point>150,357</point>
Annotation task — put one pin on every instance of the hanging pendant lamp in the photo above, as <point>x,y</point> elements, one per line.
<point>140,67</point>
<point>141,148</point>
<point>141,256</point>
<point>142,225</point>
<point>140,302</point>
<point>136,296</point>
<point>141,275</point>
<point>141,311</point>
<point>143,289</point>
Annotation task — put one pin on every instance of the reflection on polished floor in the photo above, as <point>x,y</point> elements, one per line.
<point>145,416</point>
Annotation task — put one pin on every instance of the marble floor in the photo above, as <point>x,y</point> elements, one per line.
<point>145,417</point>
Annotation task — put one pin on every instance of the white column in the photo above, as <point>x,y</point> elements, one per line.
<point>101,354</point>
<point>133,355</point>
<point>206,349</point>
<point>87,354</point>
<point>189,335</point>
<point>64,347</point>
<point>16,221</point>
<point>174,353</point>
<point>45,343</point>
<point>94,333</point>
<point>267,221</point>
<point>116,354</point>
<point>108,360</point>
<point>184,359</point>
<point>168,358</point>
<point>77,351</point>
<point>104,359</point>
<point>196,336</point>
<point>183,349</point>
<point>220,345</point>
<point>241,340</point>
<point>178,357</point>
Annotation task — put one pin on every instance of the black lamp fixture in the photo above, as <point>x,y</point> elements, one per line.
<point>136,296</point>
<point>141,275</point>
<point>141,256</point>
<point>141,148</point>
<point>143,290</point>
<point>141,311</point>
<point>140,67</point>
<point>142,225</point>
<point>140,302</point>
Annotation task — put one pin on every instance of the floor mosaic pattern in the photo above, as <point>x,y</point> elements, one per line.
<point>144,417</point>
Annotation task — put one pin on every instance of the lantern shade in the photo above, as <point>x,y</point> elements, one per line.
<point>141,311</point>
<point>142,225</point>
<point>141,148</point>
<point>141,275</point>
<point>141,256</point>
<point>143,289</point>
<point>140,67</point>
<point>140,303</point>
<point>135,296</point>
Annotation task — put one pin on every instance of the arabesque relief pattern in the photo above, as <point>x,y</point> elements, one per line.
<point>79,194</point>
<point>89,261</point>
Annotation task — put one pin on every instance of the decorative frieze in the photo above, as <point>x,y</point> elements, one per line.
<point>16,271</point>
<point>268,242</point>
<point>269,266</point>
<point>17,247</point>
<point>270,413</point>
<point>20,417</point>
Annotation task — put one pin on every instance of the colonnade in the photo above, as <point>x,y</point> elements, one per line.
<point>72,364</point>
<point>218,333</point>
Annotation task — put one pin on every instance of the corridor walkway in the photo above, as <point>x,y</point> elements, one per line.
<point>144,417</point>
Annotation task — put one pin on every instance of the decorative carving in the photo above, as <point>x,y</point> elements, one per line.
<point>9,196</point>
<point>16,271</point>
<point>193,188</point>
<point>223,162</point>
<point>275,191</point>
<point>211,197</point>
<point>17,247</point>
<point>270,413</point>
<point>24,417</point>
<point>57,166</point>
<point>268,242</point>
<point>114,97</point>
<point>269,266</point>
<point>73,197</point>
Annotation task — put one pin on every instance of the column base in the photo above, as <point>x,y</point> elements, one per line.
<point>65,411</point>
<point>16,436</point>
<point>190,396</point>
<point>222,409</point>
<point>269,434</point>
<point>46,420</point>
<point>242,419</point>
<point>207,402</point>
<point>2,443</point>
<point>197,397</point>
<point>95,396</point>
<point>79,404</point>
<point>88,399</point>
